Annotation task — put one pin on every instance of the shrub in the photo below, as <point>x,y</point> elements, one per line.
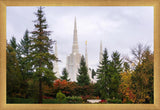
<point>60,96</point>
<point>74,99</point>
<point>114,101</point>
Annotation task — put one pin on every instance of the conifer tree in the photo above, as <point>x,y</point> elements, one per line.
<point>116,69</point>
<point>23,55</point>
<point>65,75</point>
<point>42,58</point>
<point>104,76</point>
<point>83,78</point>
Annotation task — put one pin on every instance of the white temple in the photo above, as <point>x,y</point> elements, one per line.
<point>55,64</point>
<point>73,60</point>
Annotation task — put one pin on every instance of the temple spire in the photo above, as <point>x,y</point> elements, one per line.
<point>100,53</point>
<point>86,54</point>
<point>75,48</point>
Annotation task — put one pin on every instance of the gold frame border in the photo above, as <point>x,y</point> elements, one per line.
<point>5,3</point>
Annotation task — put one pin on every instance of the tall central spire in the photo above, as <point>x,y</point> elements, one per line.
<point>75,48</point>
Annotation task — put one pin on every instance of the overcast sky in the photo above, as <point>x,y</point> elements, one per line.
<point>119,28</point>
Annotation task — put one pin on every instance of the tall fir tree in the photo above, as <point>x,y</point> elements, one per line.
<point>104,76</point>
<point>65,75</point>
<point>116,69</point>
<point>41,46</point>
<point>83,78</point>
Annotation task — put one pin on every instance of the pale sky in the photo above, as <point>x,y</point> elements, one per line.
<point>119,28</point>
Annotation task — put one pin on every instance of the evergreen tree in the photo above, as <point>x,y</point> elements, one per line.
<point>41,53</point>
<point>24,62</point>
<point>83,78</point>
<point>13,43</point>
<point>93,73</point>
<point>14,77</point>
<point>104,76</point>
<point>116,69</point>
<point>23,56</point>
<point>65,75</point>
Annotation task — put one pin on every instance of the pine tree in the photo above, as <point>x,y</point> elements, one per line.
<point>65,75</point>
<point>104,76</point>
<point>83,78</point>
<point>116,69</point>
<point>41,52</point>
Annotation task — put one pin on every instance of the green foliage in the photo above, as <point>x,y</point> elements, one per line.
<point>65,75</point>
<point>116,69</point>
<point>14,76</point>
<point>115,101</point>
<point>60,96</point>
<point>104,76</point>
<point>74,99</point>
<point>13,43</point>
<point>83,78</point>
<point>142,79</point>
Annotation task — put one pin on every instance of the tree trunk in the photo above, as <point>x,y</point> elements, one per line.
<point>40,91</point>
